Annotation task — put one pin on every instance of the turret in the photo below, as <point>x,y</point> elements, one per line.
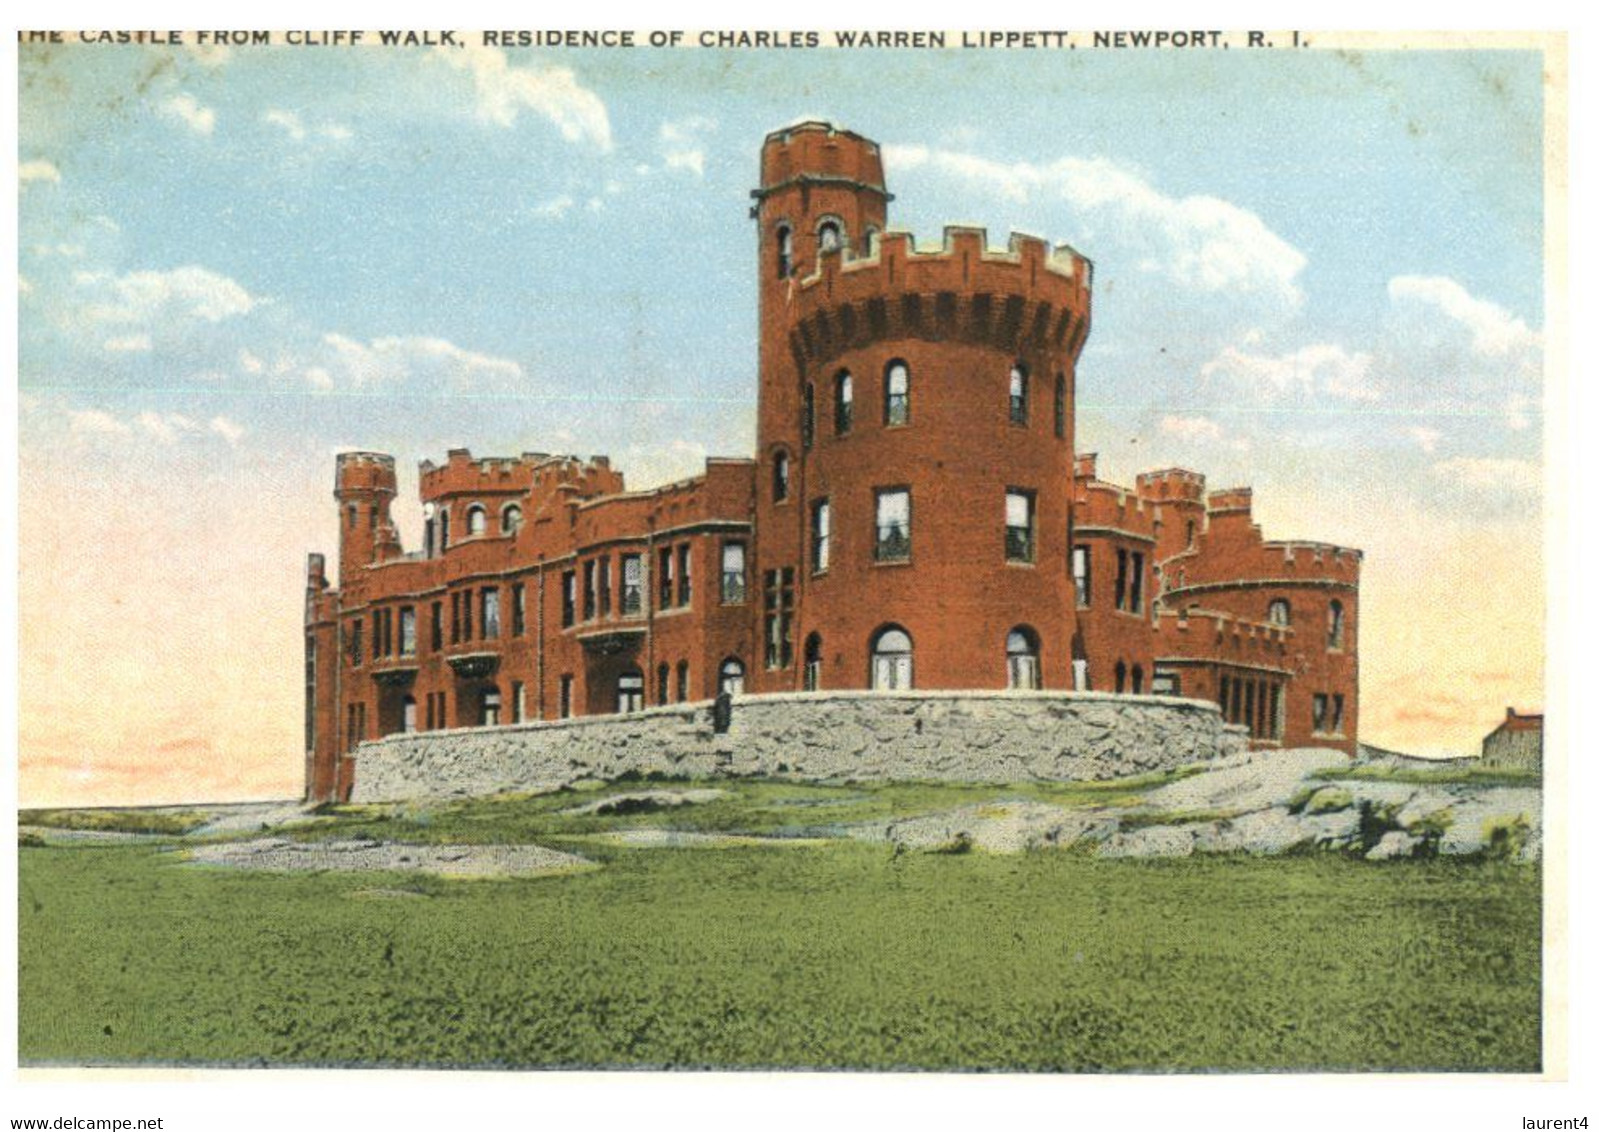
<point>365,488</point>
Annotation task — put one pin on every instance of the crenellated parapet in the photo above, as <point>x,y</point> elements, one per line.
<point>462,474</point>
<point>1029,297</point>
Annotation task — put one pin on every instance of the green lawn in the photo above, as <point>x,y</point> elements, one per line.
<point>842,954</point>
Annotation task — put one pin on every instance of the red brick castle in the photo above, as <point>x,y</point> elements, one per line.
<point>916,516</point>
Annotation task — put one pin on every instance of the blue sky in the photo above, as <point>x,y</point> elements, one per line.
<point>1318,272</point>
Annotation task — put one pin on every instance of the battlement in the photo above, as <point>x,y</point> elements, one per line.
<point>1335,561</point>
<point>1029,297</point>
<point>464,474</point>
<point>368,472</point>
<point>1176,485</point>
<point>1231,500</point>
<point>1086,465</point>
<point>816,152</point>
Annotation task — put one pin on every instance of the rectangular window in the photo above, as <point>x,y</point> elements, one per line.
<point>1121,578</point>
<point>665,581</point>
<point>568,598</point>
<point>732,573</point>
<point>1135,598</point>
<point>491,613</point>
<point>682,681</point>
<point>1249,705</point>
<point>407,631</point>
<point>431,724</point>
<point>685,583</point>
<point>1337,727</point>
<point>1018,526</point>
<point>353,642</point>
<point>518,701</point>
<point>1221,699</point>
<point>1276,721</point>
<point>564,704</point>
<point>466,615</point>
<point>821,535</point>
<point>1081,576</point>
<point>490,716</point>
<point>893,525</point>
<point>518,610</point>
<point>591,597</point>
<point>632,585</point>
<point>779,617</point>
<point>436,637</point>
<point>603,585</point>
<point>455,618</point>
<point>1318,713</point>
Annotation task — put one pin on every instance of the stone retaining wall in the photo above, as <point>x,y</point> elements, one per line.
<point>953,736</point>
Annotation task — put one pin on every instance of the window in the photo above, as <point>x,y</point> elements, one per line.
<point>808,416</point>
<point>1138,680</point>
<point>591,593</point>
<point>893,525</point>
<point>1337,727</point>
<point>1318,713</point>
<point>455,618</point>
<point>779,617</point>
<point>1018,394</point>
<point>568,598</point>
<point>1121,579</point>
<point>821,535</point>
<point>1121,677</point>
<point>632,585</point>
<point>511,519</point>
<point>1335,624</point>
<point>732,676</point>
<point>491,707</point>
<point>1164,684</point>
<point>666,578</point>
<point>466,615</point>
<point>408,714</point>
<point>603,586</point>
<point>1060,406</point>
<point>477,519</point>
<point>779,477</point>
<point>1021,660</point>
<point>372,517</point>
<point>685,581</point>
<point>518,701</point>
<point>843,403</point>
<point>436,633</point>
<point>732,573</point>
<point>518,610</point>
<point>896,394</point>
<point>663,682</point>
<point>444,529</point>
<point>1190,532</point>
<point>785,251</point>
<point>1081,577</point>
<point>891,659</point>
<point>1018,526</point>
<point>1135,588</point>
<point>350,511</point>
<point>868,241</point>
<point>813,662</point>
<point>1080,674</point>
<point>564,702</point>
<point>1277,612</point>
<point>407,631</point>
<point>682,681</point>
<point>829,237</point>
<point>491,614</point>
<point>1221,696</point>
<point>352,642</point>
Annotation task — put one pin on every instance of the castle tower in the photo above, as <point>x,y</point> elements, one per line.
<point>915,436</point>
<point>365,487</point>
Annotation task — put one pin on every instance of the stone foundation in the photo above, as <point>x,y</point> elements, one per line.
<point>949,736</point>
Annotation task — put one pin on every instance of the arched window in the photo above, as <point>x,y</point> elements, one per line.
<point>843,403</point>
<point>444,529</point>
<point>1021,659</point>
<point>663,682</point>
<point>1277,612</point>
<point>682,681</point>
<point>897,393</point>
<point>813,662</point>
<point>1018,394</point>
<point>1121,676</point>
<point>869,242</point>
<point>829,236</point>
<point>511,519</point>
<point>1335,624</point>
<point>1060,406</point>
<point>1190,532</point>
<point>785,251</point>
<point>1138,680</point>
<point>808,416</point>
<point>477,519</point>
<point>732,676</point>
<point>780,477</point>
<point>891,659</point>
<point>630,691</point>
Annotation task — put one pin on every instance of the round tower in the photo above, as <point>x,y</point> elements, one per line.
<point>915,439</point>
<point>365,487</point>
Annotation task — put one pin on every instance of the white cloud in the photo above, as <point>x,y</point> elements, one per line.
<point>425,364</point>
<point>1197,241</point>
<point>226,429</point>
<point>1426,438</point>
<point>1495,332</point>
<point>165,428</point>
<point>129,344</point>
<point>554,209</point>
<point>1516,477</point>
<point>251,364</point>
<point>1320,368</point>
<point>553,93</point>
<point>186,292</point>
<point>38,170</point>
<point>187,109</point>
<point>294,126</point>
<point>95,422</point>
<point>1191,428</point>
<point>682,143</point>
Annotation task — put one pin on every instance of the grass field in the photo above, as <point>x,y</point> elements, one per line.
<point>839,954</point>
